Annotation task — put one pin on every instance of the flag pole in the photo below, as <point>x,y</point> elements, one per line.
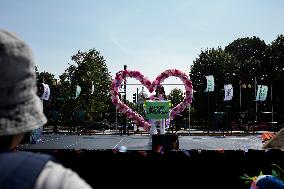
<point>272,120</point>
<point>255,93</point>
<point>208,123</point>
<point>241,102</point>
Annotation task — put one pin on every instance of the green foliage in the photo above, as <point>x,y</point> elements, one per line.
<point>274,57</point>
<point>274,66</point>
<point>249,53</point>
<point>224,68</point>
<point>246,48</point>
<point>46,77</point>
<point>241,62</point>
<point>89,68</point>
<point>175,96</point>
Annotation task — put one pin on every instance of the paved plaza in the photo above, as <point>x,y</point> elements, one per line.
<point>141,142</point>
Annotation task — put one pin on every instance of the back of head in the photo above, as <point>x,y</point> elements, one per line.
<point>20,107</point>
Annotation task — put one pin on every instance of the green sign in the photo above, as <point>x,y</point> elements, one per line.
<point>157,109</point>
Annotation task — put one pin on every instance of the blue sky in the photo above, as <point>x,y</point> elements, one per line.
<point>147,35</point>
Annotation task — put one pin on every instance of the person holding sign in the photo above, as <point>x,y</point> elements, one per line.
<point>157,109</point>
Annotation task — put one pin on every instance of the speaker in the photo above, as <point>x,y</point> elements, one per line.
<point>168,142</point>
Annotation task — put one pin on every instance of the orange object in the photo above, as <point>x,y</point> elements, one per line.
<point>267,136</point>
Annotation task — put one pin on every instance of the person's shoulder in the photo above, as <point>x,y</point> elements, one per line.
<point>28,156</point>
<point>55,175</point>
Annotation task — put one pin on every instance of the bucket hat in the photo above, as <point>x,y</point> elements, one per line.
<point>21,109</point>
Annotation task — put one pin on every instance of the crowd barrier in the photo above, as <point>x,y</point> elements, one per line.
<point>169,169</point>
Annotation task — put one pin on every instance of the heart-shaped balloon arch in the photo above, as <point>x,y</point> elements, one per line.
<point>151,86</point>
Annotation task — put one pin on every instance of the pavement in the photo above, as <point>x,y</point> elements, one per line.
<point>140,131</point>
<point>141,142</point>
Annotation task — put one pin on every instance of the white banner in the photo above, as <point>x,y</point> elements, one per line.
<point>210,83</point>
<point>261,92</point>
<point>46,92</point>
<point>78,91</point>
<point>93,88</point>
<point>228,92</point>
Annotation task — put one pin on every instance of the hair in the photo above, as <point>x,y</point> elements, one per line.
<point>160,90</point>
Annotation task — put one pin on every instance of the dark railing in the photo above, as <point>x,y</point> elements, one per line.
<point>173,169</point>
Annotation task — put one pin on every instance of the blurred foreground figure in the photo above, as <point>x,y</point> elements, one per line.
<point>276,142</point>
<point>268,182</point>
<point>21,112</point>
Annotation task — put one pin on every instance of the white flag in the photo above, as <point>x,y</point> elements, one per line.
<point>210,83</point>
<point>261,92</point>
<point>93,88</point>
<point>228,92</point>
<point>46,92</point>
<point>78,91</point>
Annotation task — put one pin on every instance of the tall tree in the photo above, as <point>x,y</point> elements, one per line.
<point>274,59</point>
<point>249,53</point>
<point>89,69</point>
<point>274,69</point>
<point>224,68</point>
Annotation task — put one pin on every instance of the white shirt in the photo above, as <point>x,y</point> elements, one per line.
<point>55,176</point>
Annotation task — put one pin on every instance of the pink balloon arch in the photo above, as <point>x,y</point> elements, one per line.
<point>151,86</point>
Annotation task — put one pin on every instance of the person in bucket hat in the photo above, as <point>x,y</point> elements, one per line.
<point>20,112</point>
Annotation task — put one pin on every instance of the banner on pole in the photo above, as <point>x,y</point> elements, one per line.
<point>78,91</point>
<point>46,92</point>
<point>261,92</point>
<point>93,88</point>
<point>210,83</point>
<point>228,92</point>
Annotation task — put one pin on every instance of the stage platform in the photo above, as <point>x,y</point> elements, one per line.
<point>141,142</point>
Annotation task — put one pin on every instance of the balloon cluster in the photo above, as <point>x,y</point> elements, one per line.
<point>151,86</point>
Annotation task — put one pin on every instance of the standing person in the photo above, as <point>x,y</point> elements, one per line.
<point>20,112</point>
<point>161,124</point>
